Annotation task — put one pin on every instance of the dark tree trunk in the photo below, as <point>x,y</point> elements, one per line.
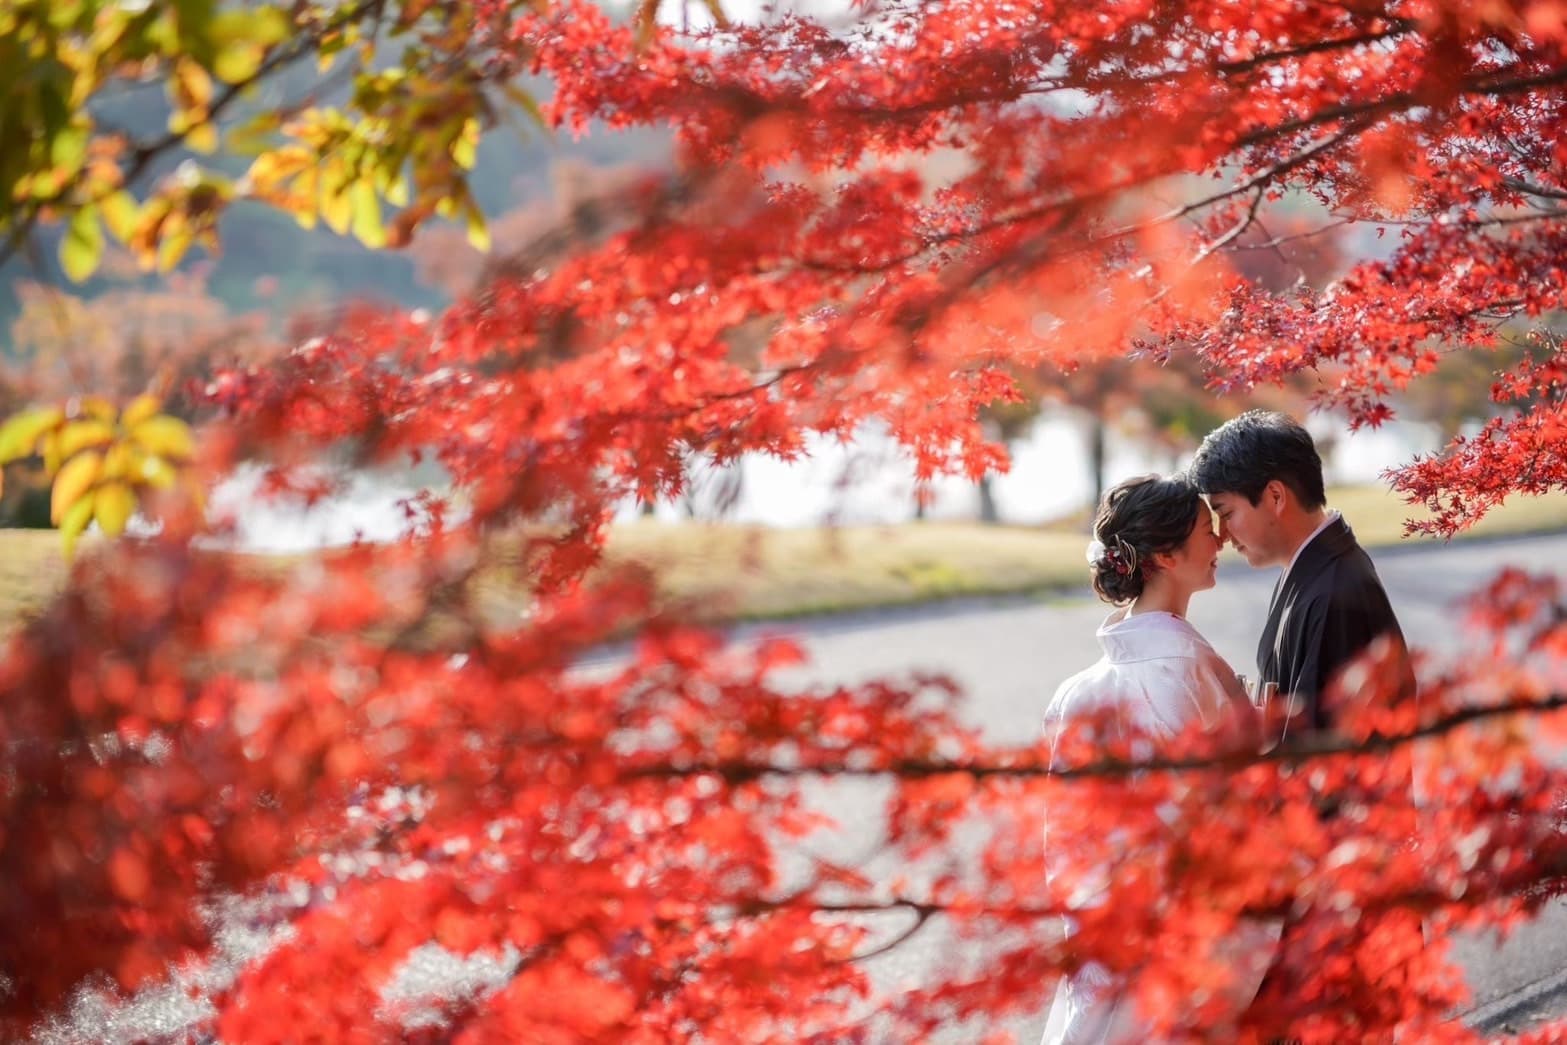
<point>1096,463</point>
<point>989,514</point>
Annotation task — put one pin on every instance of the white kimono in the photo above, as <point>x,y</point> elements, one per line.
<point>1159,674</point>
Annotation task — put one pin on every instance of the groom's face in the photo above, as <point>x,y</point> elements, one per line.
<point>1249,527</point>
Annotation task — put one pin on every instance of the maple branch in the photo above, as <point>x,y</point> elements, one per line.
<point>1294,752</point>
<point>1395,103</point>
<point>1531,189</point>
<point>1396,27</point>
<point>922,917</point>
<point>1230,236</point>
<point>1089,81</point>
<point>1548,870</point>
<point>1278,241</point>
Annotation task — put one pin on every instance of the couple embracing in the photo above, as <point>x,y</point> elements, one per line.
<point>1256,483</point>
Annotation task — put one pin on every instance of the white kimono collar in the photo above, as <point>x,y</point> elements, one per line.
<point>1145,636</point>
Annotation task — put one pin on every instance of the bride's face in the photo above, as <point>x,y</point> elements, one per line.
<point>1195,563</point>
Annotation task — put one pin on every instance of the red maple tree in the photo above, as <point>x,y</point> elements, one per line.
<point>627,841</point>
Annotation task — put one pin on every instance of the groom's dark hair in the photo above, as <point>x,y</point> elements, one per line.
<point>1246,453</point>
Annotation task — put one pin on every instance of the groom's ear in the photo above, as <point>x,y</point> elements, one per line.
<point>1275,497</point>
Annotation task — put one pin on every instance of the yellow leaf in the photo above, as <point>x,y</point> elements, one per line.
<point>117,461</point>
<point>75,521</point>
<point>337,207</point>
<point>120,213</point>
<point>203,138</point>
<point>465,147</point>
<point>165,436</point>
<point>83,244</point>
<point>139,409</point>
<point>51,451</point>
<point>238,61</point>
<point>478,232</point>
<point>151,470</point>
<point>79,435</point>
<point>19,435</point>
<point>367,215</point>
<point>100,407</point>
<point>112,505</point>
<point>306,186</point>
<point>192,85</point>
<point>173,247</point>
<point>75,479</point>
<point>274,165</point>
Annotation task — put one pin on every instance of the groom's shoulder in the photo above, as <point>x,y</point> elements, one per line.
<point>1355,583</point>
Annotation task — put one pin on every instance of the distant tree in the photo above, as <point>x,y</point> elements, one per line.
<point>132,337</point>
<point>1462,389</point>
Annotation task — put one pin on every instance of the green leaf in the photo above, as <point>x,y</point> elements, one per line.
<point>63,14</point>
<point>68,148</point>
<point>195,18</point>
<point>270,26</point>
<point>52,92</point>
<point>263,26</point>
<point>367,215</point>
<point>82,246</point>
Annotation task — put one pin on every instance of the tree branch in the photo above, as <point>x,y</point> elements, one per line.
<point>1303,750</point>
<point>143,155</point>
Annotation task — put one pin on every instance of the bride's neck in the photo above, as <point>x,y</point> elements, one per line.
<point>1160,597</point>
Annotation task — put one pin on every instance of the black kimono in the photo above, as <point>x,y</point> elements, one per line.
<point>1326,609</point>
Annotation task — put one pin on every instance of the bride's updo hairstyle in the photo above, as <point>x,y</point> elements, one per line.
<point>1137,519</point>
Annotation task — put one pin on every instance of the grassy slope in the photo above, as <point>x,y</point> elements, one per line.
<point>752,572</point>
<point>730,571</point>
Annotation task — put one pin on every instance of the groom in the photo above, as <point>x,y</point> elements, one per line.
<point>1263,478</point>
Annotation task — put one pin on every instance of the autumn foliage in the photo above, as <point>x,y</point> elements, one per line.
<point>914,205</point>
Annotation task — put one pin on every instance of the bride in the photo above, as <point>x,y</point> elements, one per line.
<point>1154,546</point>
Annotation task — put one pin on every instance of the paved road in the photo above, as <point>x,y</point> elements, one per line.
<point>1010,654</point>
